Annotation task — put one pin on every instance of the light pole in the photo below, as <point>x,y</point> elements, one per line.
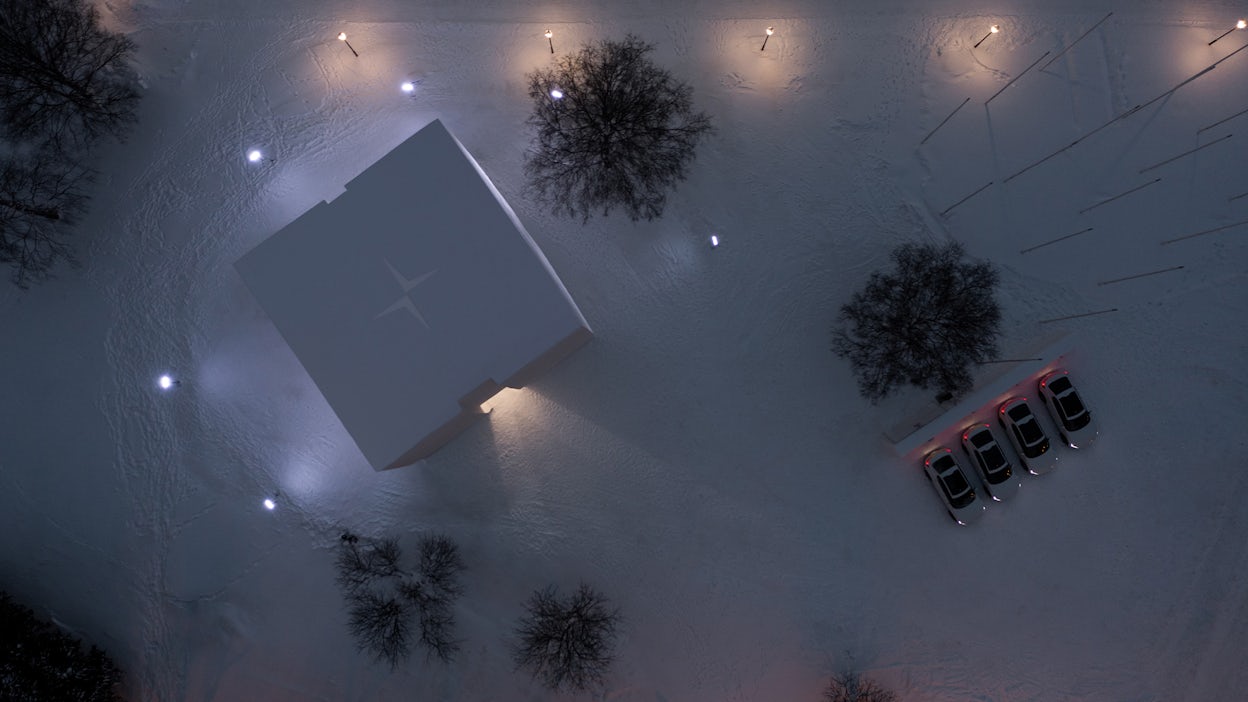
<point>1242,24</point>
<point>550,40</point>
<point>770,31</point>
<point>991,30</point>
<point>342,37</point>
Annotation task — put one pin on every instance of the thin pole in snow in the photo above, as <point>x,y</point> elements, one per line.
<point>942,122</point>
<point>1207,231</point>
<point>991,30</point>
<point>770,31</point>
<point>1072,44</point>
<point>1222,121</point>
<point>1103,202</point>
<point>1128,113</point>
<point>550,40</point>
<point>342,37</point>
<point>1186,153</point>
<point>1054,241</point>
<point>1076,316</point>
<point>1233,198</point>
<point>1124,115</point>
<point>968,197</point>
<point>1141,275</point>
<point>1020,75</point>
<point>1238,25</point>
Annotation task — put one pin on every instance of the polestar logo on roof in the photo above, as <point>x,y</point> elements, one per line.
<point>405,301</point>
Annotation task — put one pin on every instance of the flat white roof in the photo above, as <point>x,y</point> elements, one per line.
<point>413,297</point>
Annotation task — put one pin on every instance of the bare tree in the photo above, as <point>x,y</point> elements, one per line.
<point>381,625</point>
<point>383,598</point>
<point>925,323</point>
<point>613,129</point>
<point>62,75</point>
<point>440,564</point>
<point>853,687</point>
<point>41,197</point>
<point>359,566</point>
<point>567,643</point>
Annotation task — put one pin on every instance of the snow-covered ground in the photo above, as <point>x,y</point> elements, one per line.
<point>706,461</point>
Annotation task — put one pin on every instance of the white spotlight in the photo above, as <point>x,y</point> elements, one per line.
<point>556,93</point>
<point>254,155</point>
<point>269,504</point>
<point>166,382</point>
<point>714,240</point>
<point>408,86</point>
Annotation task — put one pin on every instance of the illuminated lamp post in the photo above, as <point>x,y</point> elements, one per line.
<point>991,30</point>
<point>550,40</point>
<point>770,31</point>
<point>407,87</point>
<point>342,37</point>
<point>1242,24</point>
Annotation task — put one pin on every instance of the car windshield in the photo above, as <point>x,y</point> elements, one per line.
<point>1060,385</point>
<point>994,460</point>
<point>1030,431</point>
<point>1019,412</point>
<point>1036,450</point>
<point>981,439</point>
<point>943,463</point>
<point>957,489</point>
<point>1001,475</point>
<point>1074,414</point>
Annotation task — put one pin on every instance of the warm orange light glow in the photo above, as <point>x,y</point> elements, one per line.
<point>1241,24</point>
<point>995,28</point>
<point>549,34</point>
<point>507,397</point>
<point>342,36</point>
<point>771,30</point>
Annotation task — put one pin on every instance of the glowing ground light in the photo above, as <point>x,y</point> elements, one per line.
<point>254,155</point>
<point>714,240</point>
<point>1241,24</point>
<point>556,93</point>
<point>269,504</point>
<point>991,30</point>
<point>407,86</point>
<point>770,31</point>
<point>165,382</point>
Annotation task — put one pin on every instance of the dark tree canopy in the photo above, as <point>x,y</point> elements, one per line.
<point>62,75</point>
<point>39,662</point>
<point>65,82</point>
<point>41,197</point>
<point>852,687</point>
<point>567,643</point>
<point>924,323</point>
<point>383,598</point>
<point>621,135</point>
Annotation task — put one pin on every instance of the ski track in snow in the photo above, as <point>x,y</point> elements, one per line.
<point>749,565</point>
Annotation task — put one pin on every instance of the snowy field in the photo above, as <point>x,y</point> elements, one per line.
<point>706,460</point>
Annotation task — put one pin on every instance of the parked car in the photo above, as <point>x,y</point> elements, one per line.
<point>955,491</point>
<point>1027,436</point>
<point>989,458</point>
<point>1074,421</point>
